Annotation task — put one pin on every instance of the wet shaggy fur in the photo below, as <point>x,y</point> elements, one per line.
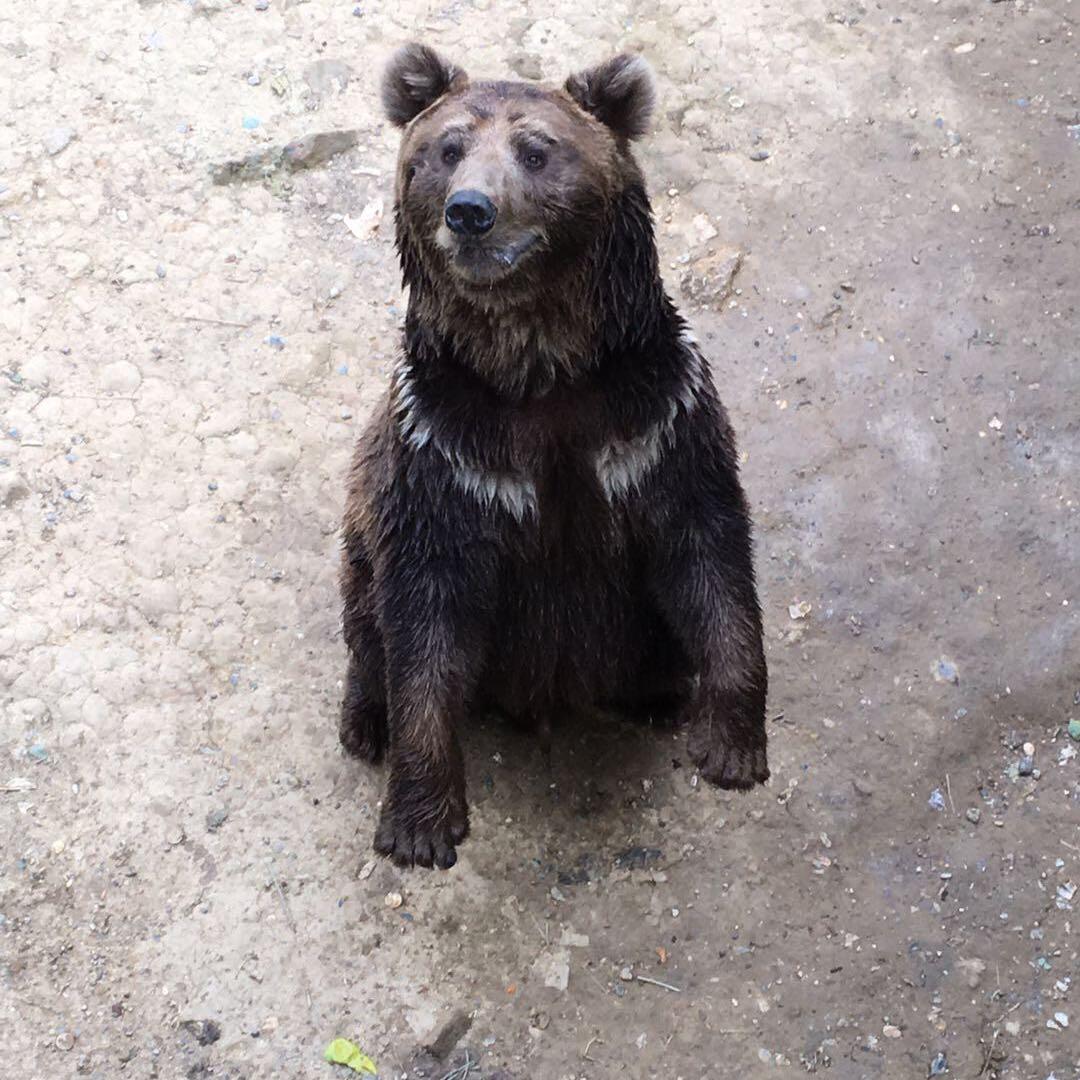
<point>544,515</point>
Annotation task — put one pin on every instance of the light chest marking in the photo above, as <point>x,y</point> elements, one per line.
<point>621,465</point>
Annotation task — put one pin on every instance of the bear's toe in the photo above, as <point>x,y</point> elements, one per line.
<point>428,843</point>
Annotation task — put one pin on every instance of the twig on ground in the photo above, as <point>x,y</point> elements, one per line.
<point>460,1072</point>
<point>657,982</point>
<point>281,896</point>
<point>989,1054</point>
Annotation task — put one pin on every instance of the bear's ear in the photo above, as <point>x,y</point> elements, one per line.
<point>415,78</point>
<point>620,93</point>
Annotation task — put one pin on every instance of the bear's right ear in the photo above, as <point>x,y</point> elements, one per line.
<point>415,78</point>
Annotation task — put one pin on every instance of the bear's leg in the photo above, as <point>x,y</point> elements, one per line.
<point>363,731</point>
<point>434,619</point>
<point>704,582</point>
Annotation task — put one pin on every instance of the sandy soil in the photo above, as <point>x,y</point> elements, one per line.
<point>185,888</point>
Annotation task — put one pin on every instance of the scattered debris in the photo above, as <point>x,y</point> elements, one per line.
<point>635,858</point>
<point>553,967</point>
<point>800,609</point>
<point>940,1065</point>
<point>343,1052</point>
<point>367,222</point>
<point>945,671</point>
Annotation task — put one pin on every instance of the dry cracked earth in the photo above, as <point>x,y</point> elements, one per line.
<point>870,212</point>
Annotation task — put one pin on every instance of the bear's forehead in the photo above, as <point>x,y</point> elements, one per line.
<point>481,104</point>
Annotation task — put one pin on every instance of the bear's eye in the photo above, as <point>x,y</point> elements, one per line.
<point>451,155</point>
<point>535,160</point>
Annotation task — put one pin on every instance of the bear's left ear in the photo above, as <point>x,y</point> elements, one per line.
<point>620,93</point>
<point>416,77</point>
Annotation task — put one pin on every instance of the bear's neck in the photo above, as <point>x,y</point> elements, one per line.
<point>606,308</point>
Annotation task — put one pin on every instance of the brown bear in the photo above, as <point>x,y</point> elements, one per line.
<point>544,515</point>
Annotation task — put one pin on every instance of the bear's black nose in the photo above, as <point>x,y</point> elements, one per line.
<point>470,213</point>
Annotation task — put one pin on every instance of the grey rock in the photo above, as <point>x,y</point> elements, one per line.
<point>57,139</point>
<point>327,76</point>
<point>13,488</point>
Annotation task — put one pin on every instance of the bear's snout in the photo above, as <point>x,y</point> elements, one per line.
<point>469,213</point>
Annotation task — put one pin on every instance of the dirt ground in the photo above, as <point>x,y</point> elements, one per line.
<point>185,884</point>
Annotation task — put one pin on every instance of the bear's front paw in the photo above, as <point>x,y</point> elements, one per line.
<point>727,742</point>
<point>422,832</point>
<point>737,768</point>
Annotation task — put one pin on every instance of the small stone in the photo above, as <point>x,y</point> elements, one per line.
<point>65,1041</point>
<point>175,836</point>
<point>1062,1019</point>
<point>206,1032</point>
<point>936,800</point>
<point>216,818</point>
<point>57,139</point>
<point>735,102</point>
<point>994,422</point>
<point>250,123</point>
<point>862,787</point>
<point>966,47</point>
<point>710,279</point>
<point>759,155</point>
<point>1026,765</point>
<point>973,813</point>
<point>262,5</point>
<point>627,974</point>
<point>1074,730</point>
<point>366,870</point>
<point>253,79</point>
<point>891,1031</point>
<point>393,900</point>
<point>940,1065</point>
<point>1029,749</point>
<point>800,609</point>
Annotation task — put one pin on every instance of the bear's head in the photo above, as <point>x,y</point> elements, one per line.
<point>505,185</point>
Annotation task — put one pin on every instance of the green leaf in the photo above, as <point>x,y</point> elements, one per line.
<point>343,1052</point>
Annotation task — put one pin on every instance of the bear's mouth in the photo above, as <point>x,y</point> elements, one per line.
<point>485,261</point>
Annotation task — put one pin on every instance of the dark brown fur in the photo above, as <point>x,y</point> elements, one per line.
<point>545,512</point>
